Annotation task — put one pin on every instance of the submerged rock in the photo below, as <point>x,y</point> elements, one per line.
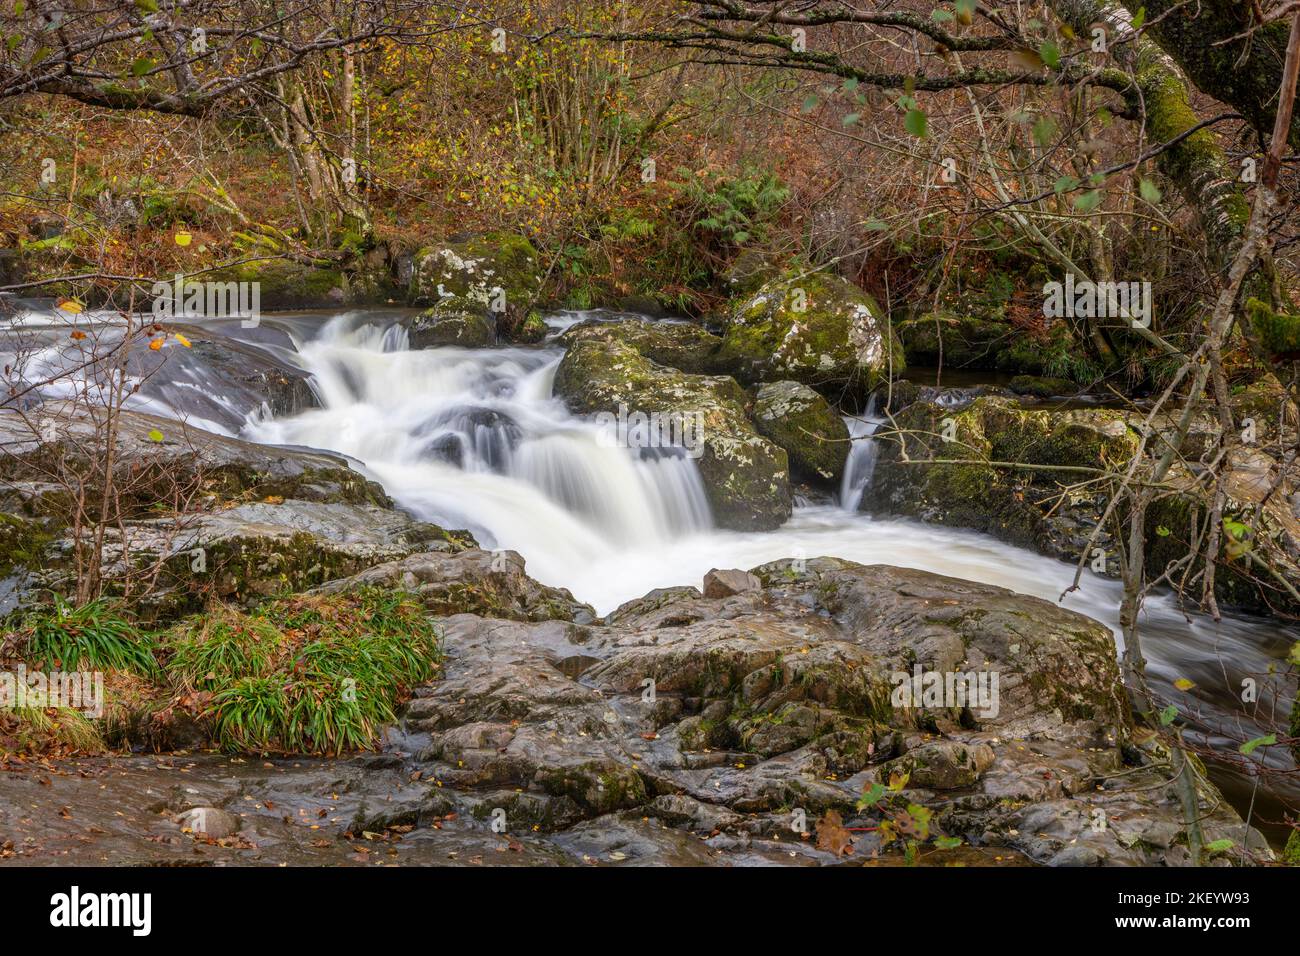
<point>745,476</point>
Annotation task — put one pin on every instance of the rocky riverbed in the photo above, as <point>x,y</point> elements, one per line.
<point>751,716</point>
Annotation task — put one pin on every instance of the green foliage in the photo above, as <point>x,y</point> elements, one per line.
<point>1278,332</point>
<point>315,674</point>
<point>736,209</point>
<point>95,635</point>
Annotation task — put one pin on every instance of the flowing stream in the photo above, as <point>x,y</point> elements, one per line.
<point>474,439</point>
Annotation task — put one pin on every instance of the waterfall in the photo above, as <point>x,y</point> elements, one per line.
<point>473,439</point>
<point>862,456</point>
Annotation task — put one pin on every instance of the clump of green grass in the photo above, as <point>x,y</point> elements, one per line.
<point>94,635</point>
<point>66,727</point>
<point>310,673</point>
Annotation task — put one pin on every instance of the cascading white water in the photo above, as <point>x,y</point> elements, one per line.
<point>862,456</point>
<point>473,439</point>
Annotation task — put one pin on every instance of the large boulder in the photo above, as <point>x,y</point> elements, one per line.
<point>733,712</point>
<point>812,328</point>
<point>242,520</point>
<point>935,466</point>
<point>951,465</point>
<point>804,424</point>
<point>497,275</point>
<point>965,341</point>
<point>680,345</point>
<point>698,730</point>
<point>745,476</point>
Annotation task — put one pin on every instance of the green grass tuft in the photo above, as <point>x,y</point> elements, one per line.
<point>94,635</point>
<point>310,674</point>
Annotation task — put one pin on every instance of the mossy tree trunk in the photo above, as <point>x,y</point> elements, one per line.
<point>1197,165</point>
<point>1221,46</point>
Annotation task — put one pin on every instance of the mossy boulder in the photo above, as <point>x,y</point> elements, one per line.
<point>1278,333</point>
<point>960,341</point>
<point>813,328</point>
<point>748,271</point>
<point>437,327</point>
<point>745,476</point>
<point>531,330</point>
<point>803,423</point>
<point>938,468</point>
<point>497,273</point>
<point>1260,535</point>
<point>1267,404</point>
<point>1038,386</point>
<point>955,341</point>
<point>287,284</point>
<point>680,345</point>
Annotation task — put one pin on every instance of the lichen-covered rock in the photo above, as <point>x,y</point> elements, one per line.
<point>497,273</point>
<point>258,550</point>
<point>951,466</point>
<point>816,329</point>
<point>471,581</point>
<point>680,345</point>
<point>746,476</point>
<point>287,284</point>
<point>804,424</point>
<point>438,327</point>
<point>1024,505</point>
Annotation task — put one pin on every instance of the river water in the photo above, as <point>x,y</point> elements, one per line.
<point>474,439</point>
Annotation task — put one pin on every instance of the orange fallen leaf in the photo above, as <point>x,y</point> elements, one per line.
<point>832,835</point>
